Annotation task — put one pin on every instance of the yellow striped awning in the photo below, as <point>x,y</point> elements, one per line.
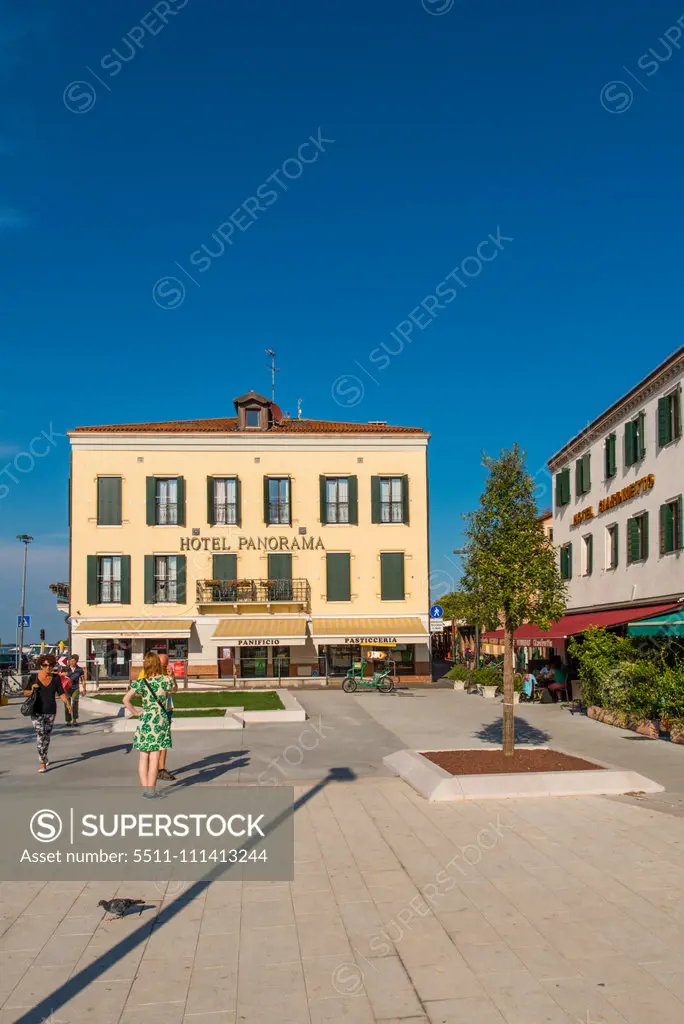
<point>122,628</point>
<point>245,631</point>
<point>378,631</point>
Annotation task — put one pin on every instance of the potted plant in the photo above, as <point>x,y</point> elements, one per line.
<point>460,676</point>
<point>487,681</point>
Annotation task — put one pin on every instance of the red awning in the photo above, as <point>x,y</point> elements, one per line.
<point>570,625</point>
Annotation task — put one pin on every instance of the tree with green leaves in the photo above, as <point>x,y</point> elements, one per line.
<point>460,607</point>
<point>510,568</point>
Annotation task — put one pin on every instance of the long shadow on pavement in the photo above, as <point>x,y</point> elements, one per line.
<point>211,767</point>
<point>53,1002</point>
<point>524,733</point>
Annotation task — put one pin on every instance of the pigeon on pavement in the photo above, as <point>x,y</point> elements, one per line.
<point>118,907</point>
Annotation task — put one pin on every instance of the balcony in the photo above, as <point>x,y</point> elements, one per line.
<point>241,592</point>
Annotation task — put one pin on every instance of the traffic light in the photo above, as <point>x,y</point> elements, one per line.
<point>42,635</point>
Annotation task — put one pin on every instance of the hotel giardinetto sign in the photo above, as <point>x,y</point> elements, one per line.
<point>642,486</point>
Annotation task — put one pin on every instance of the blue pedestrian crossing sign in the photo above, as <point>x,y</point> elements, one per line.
<point>24,620</point>
<point>436,612</point>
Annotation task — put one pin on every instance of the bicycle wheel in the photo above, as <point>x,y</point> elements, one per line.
<point>349,685</point>
<point>386,684</point>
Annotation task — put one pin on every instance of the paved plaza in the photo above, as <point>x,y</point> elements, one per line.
<point>565,911</point>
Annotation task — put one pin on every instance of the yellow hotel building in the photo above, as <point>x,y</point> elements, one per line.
<point>253,546</point>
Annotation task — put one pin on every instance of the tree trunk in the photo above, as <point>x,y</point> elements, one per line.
<point>508,715</point>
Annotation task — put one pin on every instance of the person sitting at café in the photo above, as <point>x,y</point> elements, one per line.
<point>559,681</point>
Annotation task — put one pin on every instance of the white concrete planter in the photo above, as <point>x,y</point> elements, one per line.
<point>488,691</point>
<point>516,698</point>
<point>459,684</point>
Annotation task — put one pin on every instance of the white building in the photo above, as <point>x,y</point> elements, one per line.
<point>617,503</point>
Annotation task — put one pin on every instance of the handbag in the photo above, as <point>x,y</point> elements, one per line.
<point>29,704</point>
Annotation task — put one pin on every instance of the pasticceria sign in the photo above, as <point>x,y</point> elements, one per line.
<point>617,498</point>
<point>251,544</point>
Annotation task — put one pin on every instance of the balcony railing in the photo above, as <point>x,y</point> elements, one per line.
<point>253,591</point>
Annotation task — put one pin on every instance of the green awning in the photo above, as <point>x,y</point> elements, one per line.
<point>665,624</point>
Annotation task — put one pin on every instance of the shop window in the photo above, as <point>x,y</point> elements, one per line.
<point>612,546</point>
<point>670,417</point>
<point>392,576</point>
<point>637,538</point>
<point>635,440</point>
<point>338,658</point>
<point>109,501</point>
<point>566,562</point>
<point>671,526</point>
<point>404,659</point>
<point>277,506</point>
<point>281,661</point>
<point>583,475</point>
<point>176,650</point>
<point>109,659</point>
<point>253,662</point>
<point>610,455</point>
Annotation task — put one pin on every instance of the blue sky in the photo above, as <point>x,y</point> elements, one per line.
<point>128,137</point>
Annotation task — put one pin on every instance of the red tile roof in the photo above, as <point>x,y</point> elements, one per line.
<point>228,424</point>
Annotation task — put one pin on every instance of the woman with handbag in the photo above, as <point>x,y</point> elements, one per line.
<point>154,730</point>
<point>41,704</point>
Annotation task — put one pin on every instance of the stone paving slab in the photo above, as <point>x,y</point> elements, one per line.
<point>511,912</point>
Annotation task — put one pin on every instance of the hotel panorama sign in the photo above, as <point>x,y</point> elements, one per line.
<point>626,494</point>
<point>251,543</point>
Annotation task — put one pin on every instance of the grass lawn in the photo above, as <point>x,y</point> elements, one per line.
<point>201,713</point>
<point>207,699</point>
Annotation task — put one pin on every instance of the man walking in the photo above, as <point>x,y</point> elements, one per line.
<point>76,675</point>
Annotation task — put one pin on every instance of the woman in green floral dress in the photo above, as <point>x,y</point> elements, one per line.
<point>154,731</point>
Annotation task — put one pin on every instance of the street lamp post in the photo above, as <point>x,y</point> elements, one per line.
<point>26,540</point>
<point>462,551</point>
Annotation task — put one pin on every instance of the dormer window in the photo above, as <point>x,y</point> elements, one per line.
<point>255,412</point>
<point>253,417</point>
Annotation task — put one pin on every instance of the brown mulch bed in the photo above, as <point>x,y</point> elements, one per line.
<point>493,762</point>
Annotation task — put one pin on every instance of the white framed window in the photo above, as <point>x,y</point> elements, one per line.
<point>109,579</point>
<point>391,499</point>
<point>166,500</point>
<point>337,499</point>
<point>165,579</point>
<point>225,501</point>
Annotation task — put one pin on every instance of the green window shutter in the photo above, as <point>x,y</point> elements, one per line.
<point>224,567</point>
<point>375,499</point>
<point>611,452</point>
<point>181,500</point>
<point>564,563</point>
<point>678,412</point>
<point>280,567</point>
<point>266,519</point>
<point>109,501</point>
<point>628,444</point>
<point>633,552</point>
<point>645,535</point>
<point>91,579</point>
<point>559,489</point>
<point>210,500</point>
<point>586,472</point>
<point>669,525</point>
<point>181,579</point>
<point>238,502</point>
<point>664,421</point>
<point>578,477</point>
<point>125,579</point>
<point>569,561</point>
<point>151,494</point>
<point>590,554</point>
<point>289,500</point>
<point>405,499</point>
<point>392,575</point>
<point>338,576</point>
<point>662,529</point>
<point>679,532</point>
<point>353,487</point>
<point>149,579</point>
<point>641,435</point>
<point>323,495</point>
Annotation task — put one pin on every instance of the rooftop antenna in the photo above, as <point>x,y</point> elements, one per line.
<point>271,353</point>
<point>299,408</point>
